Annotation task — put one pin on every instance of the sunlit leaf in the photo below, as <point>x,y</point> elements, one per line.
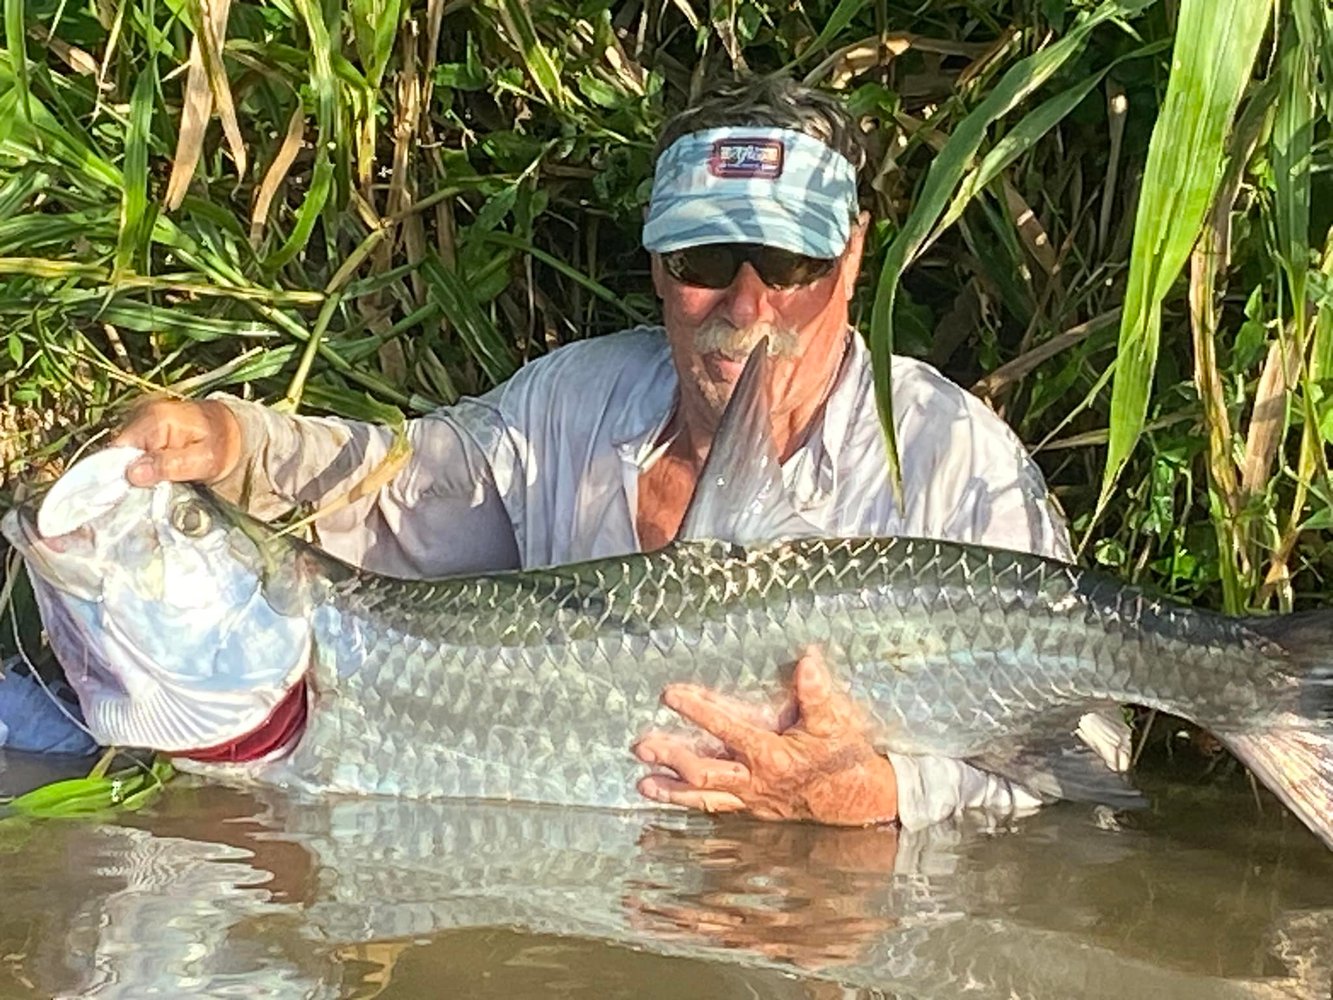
<point>1213,58</point>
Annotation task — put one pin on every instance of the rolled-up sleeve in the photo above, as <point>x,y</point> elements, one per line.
<point>931,789</point>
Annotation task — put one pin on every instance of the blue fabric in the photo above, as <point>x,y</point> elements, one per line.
<point>774,186</point>
<point>31,723</point>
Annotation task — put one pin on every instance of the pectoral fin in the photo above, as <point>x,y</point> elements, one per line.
<point>1063,770</point>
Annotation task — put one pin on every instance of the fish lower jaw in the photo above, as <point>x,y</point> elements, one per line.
<point>274,737</point>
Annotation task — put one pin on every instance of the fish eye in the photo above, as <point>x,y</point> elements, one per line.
<point>190,519</point>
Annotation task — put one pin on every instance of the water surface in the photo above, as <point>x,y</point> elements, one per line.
<point>218,892</point>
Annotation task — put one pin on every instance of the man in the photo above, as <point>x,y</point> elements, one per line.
<point>594,450</point>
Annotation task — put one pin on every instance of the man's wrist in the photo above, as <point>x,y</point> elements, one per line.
<point>868,798</point>
<point>886,783</point>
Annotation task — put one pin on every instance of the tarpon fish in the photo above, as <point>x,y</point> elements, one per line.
<point>188,628</point>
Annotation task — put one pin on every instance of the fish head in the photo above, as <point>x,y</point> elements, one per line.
<point>180,622</point>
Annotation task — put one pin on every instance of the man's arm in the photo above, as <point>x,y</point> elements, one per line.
<point>440,513</point>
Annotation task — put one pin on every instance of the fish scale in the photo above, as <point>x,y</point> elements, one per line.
<point>534,685</point>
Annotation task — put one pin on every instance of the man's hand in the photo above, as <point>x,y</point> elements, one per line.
<point>183,441</point>
<point>814,761</point>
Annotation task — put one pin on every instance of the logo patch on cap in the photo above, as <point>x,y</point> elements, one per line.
<point>746,158</point>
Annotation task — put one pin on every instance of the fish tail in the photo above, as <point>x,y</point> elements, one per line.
<point>1295,759</point>
<point>1297,766</point>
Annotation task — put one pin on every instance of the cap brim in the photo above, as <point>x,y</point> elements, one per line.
<point>815,228</point>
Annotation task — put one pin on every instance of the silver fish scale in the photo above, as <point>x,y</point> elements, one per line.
<point>533,685</point>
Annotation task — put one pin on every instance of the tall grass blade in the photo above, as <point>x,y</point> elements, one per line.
<point>326,101</point>
<point>276,173</point>
<point>136,215</point>
<point>946,172</point>
<point>536,56</point>
<point>17,44</point>
<point>41,138</point>
<point>1211,259</point>
<point>1291,145</point>
<point>842,15</point>
<point>1212,61</point>
<point>375,25</point>
<point>213,32</point>
<point>196,109</point>
<point>460,308</point>
<point>574,274</point>
<point>1024,136</point>
<point>1293,137</point>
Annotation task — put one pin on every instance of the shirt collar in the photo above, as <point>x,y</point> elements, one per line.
<point>812,470</point>
<point>642,422</point>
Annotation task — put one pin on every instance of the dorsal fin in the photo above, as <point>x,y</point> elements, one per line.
<point>740,497</point>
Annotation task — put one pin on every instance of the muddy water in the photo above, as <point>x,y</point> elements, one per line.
<point>214,892</point>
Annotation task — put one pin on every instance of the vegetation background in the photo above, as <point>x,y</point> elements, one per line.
<point>1110,219</point>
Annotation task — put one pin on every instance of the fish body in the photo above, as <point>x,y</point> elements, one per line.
<point>533,685</point>
<point>185,626</point>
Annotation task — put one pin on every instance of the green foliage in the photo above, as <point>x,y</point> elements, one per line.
<point>1213,60</point>
<point>946,174</point>
<point>373,208</point>
<point>97,794</point>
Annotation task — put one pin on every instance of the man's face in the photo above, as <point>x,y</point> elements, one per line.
<point>711,332</point>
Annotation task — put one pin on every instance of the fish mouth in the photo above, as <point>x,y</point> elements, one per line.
<point>43,554</point>
<point>20,528</point>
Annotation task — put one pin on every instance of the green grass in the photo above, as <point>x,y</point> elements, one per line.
<point>1112,218</point>
<point>100,793</point>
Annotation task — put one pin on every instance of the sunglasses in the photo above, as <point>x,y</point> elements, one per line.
<point>716,265</point>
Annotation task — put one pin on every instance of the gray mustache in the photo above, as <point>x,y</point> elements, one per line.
<point>736,343</point>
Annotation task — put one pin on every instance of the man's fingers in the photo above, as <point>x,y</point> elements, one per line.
<point>661,788</point>
<point>147,471</point>
<point>767,717</point>
<point>196,462</point>
<point>761,715</point>
<point>142,471</point>
<point>695,769</point>
<point>656,746</point>
<point>183,441</point>
<point>181,465</point>
<point>717,716</point>
<point>824,710</point>
<point>139,432</point>
<point>158,424</point>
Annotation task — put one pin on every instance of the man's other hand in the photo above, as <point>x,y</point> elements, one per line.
<point>183,440</point>
<point>813,761</point>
